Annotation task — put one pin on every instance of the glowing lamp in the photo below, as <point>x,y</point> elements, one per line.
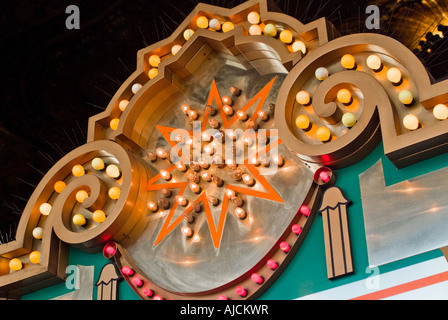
<point>127,271</point>
<point>162,153</point>
<point>188,33</point>
<point>38,233</point>
<point>394,75</point>
<point>303,97</point>
<point>344,96</point>
<point>240,213</point>
<point>286,36</point>
<point>137,281</point>
<point>374,62</point>
<point>406,97</point>
<point>186,231</point>
<point>175,49</point>
<point>411,122</point>
<point>323,134</point>
<point>247,179</point>
<point>193,115</point>
<point>296,229</point>
<point>228,110</point>
<point>195,187</point>
<point>215,24</point>
<point>202,22</point>
<point>223,297</point>
<point>348,61</point>
<point>272,264</point>
<point>255,277</point>
<point>98,164</point>
<point>113,171</point>
<point>78,170</point>
<point>348,119</point>
<point>227,26</point>
<point>156,297</point>
<point>270,30</point>
<point>299,46</point>
<point>440,112</point>
<point>114,193</point>
<point>303,122</point>
<point>263,115</point>
<point>79,220</point>
<point>59,186</point>
<point>204,164</point>
<point>35,257</point>
<point>241,291</point>
<point>181,200</point>
<point>278,160</point>
<point>147,292</point>
<point>321,73</point>
<point>123,104</point>
<point>227,100</point>
<point>98,216</point>
<point>110,250</point>
<point>206,176</point>
<point>253,17</point>
<point>153,72</point>
<point>242,115</point>
<point>209,149</point>
<point>154,60</point>
<point>81,195</point>
<point>181,166</point>
<point>114,123</point>
<point>255,30</point>
<point>15,264</point>
<point>324,176</point>
<point>254,161</point>
<point>305,210</point>
<point>136,87</point>
<point>153,206</point>
<point>45,209</point>
<point>284,247</point>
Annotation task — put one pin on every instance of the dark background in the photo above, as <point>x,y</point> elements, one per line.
<point>54,79</point>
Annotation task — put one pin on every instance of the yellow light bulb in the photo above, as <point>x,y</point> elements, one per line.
<point>227,26</point>
<point>123,104</point>
<point>394,75</point>
<point>35,257</point>
<point>303,122</point>
<point>15,264</point>
<point>45,209</point>
<point>344,96</point>
<point>348,61</point>
<point>188,34</point>
<point>81,195</point>
<point>114,123</point>
<point>114,193</point>
<point>286,36</point>
<point>79,220</point>
<point>374,62</point>
<point>153,72</point>
<point>98,164</point>
<point>154,60</point>
<point>78,170</point>
<point>202,22</point>
<point>406,97</point>
<point>59,186</point>
<point>323,134</point>
<point>98,216</point>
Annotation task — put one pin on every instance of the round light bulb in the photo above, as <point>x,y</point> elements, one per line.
<point>188,34</point>
<point>255,30</point>
<point>113,171</point>
<point>165,175</point>
<point>284,247</point>
<point>153,206</point>
<point>59,186</point>
<point>114,123</point>
<point>98,164</point>
<point>394,75</point>
<point>344,96</point>
<point>323,134</point>
<point>153,72</point>
<point>303,97</point>
<point>38,233</point>
<point>15,264</point>
<point>348,61</point>
<point>299,46</point>
<point>154,60</point>
<point>81,195</point>
<point>411,122</point>
<point>286,36</point>
<point>186,231</point>
<point>202,22</point>
<point>79,220</point>
<point>305,210</point>
<point>253,17</point>
<point>175,49</point>
<point>303,122</point>
<point>98,216</point>
<point>45,209</point>
<point>406,97</point>
<point>348,119</point>
<point>215,24</point>
<point>270,30</point>
<point>114,193</point>
<point>35,257</point>
<point>123,104</point>
<point>78,170</point>
<point>227,26</point>
<point>321,73</point>
<point>374,62</point>
<point>440,112</point>
<point>136,87</point>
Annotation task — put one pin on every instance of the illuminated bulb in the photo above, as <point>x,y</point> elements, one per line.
<point>127,271</point>
<point>181,200</point>
<point>137,281</point>
<point>255,30</point>
<point>123,104</point>
<point>154,60</point>
<point>406,97</point>
<point>204,164</point>
<point>270,30</point>
<point>15,264</point>
<point>209,149</point>
<point>59,186</point>
<point>181,166</point>
<point>303,97</point>
<point>299,46</point>
<point>242,115</point>
<point>241,291</point>
<point>394,75</point>
<point>344,96</point>
<point>230,193</point>
<point>323,175</point>
<point>113,171</point>
<point>440,112</point>
<point>202,22</point>
<point>231,163</point>
<point>98,164</point>
<point>411,122</point>
<point>374,62</point>
<point>255,277</point>
<point>227,26</point>
<point>231,134</point>
<point>45,209</point>
<point>81,195</point>
<point>175,49</point>
<point>136,87</point>
<point>321,73</point>
<point>240,213</point>
<point>153,206</point>
<point>248,180</point>
<point>305,210</point>
<point>323,134</point>
<point>348,61</point>
<point>284,247</point>
<point>186,231</point>
<point>79,220</point>
<point>153,72</point>
<point>215,24</point>
<point>286,36</point>
<point>38,233</point>
<point>206,136</point>
<point>114,193</point>
<point>254,161</point>
<point>165,175</point>
<point>98,216</point>
<point>265,161</point>
<point>228,110</point>
<point>156,297</point>
<point>206,176</point>
<point>35,257</point>
<point>303,122</point>
<point>78,170</point>
<point>222,297</point>
<point>348,119</point>
<point>253,17</point>
<point>278,160</point>
<point>263,115</point>
<point>110,250</point>
<point>195,187</point>
<point>114,123</point>
<point>248,140</point>
<point>147,292</point>
<point>296,229</point>
<point>188,34</point>
<point>161,153</point>
<point>193,115</point>
<point>272,264</point>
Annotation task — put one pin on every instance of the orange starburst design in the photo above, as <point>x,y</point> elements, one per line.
<point>269,194</point>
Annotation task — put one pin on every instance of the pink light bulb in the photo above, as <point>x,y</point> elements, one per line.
<point>127,271</point>
<point>137,281</point>
<point>296,229</point>
<point>110,250</point>
<point>241,291</point>
<point>272,264</point>
<point>223,297</point>
<point>257,278</point>
<point>156,297</point>
<point>285,247</point>
<point>147,292</point>
<point>324,176</point>
<point>305,210</point>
